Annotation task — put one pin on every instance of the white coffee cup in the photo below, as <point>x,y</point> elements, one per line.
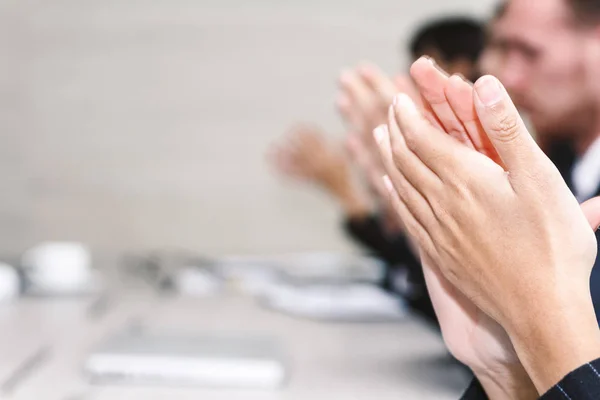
<point>58,266</point>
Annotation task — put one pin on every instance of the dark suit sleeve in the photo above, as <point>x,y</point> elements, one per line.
<point>369,232</point>
<point>581,384</point>
<point>474,392</point>
<point>394,250</point>
<point>595,281</point>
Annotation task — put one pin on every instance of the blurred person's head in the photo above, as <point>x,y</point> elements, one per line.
<point>491,56</point>
<point>454,43</point>
<point>587,13</point>
<point>544,63</point>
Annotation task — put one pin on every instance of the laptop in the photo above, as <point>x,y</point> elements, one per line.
<point>226,361</point>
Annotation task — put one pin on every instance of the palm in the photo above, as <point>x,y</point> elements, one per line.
<point>471,335</point>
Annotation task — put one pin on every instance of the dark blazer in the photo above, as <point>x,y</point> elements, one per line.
<point>581,384</point>
<point>396,253</point>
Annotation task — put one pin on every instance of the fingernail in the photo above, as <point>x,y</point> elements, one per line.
<point>430,59</point>
<point>380,133</point>
<point>387,182</point>
<point>488,90</point>
<point>405,103</point>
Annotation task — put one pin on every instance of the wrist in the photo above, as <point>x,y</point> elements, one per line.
<point>510,382</point>
<point>557,337</point>
<point>353,201</point>
<point>356,207</point>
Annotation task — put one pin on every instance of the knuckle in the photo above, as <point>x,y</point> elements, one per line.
<point>462,191</point>
<point>440,210</point>
<point>507,127</point>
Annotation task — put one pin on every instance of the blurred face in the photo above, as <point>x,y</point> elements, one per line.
<point>538,53</point>
<point>592,60</point>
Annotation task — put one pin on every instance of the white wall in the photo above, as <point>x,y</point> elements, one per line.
<point>143,123</point>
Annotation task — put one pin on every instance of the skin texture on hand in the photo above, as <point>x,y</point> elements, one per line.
<point>306,155</point>
<point>508,235</point>
<point>471,335</point>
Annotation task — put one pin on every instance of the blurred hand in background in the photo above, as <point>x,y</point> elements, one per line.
<point>305,154</point>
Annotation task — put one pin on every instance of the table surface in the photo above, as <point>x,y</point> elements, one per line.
<point>402,360</point>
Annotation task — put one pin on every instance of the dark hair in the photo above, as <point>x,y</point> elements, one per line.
<point>454,38</point>
<point>499,10</point>
<point>586,11</point>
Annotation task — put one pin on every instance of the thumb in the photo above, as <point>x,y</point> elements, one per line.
<point>591,209</point>
<point>503,124</point>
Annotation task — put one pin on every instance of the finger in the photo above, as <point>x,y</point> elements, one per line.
<point>431,148</point>
<point>295,149</point>
<point>417,173</point>
<point>411,197</point>
<point>459,94</point>
<point>358,93</point>
<point>406,85</point>
<point>419,234</point>
<point>431,82</point>
<point>286,165</point>
<point>591,209</point>
<point>279,152</point>
<point>357,150</point>
<point>370,167</point>
<point>380,83</point>
<point>348,112</point>
<point>503,125</point>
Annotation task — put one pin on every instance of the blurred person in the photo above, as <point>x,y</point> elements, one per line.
<point>456,44</point>
<point>545,58</point>
<point>492,241</point>
<point>491,56</point>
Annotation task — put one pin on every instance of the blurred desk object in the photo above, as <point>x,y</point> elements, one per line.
<point>50,339</point>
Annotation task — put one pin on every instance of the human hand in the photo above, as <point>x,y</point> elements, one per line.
<point>366,93</point>
<point>372,170</point>
<point>471,335</point>
<point>467,213</point>
<point>306,155</point>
